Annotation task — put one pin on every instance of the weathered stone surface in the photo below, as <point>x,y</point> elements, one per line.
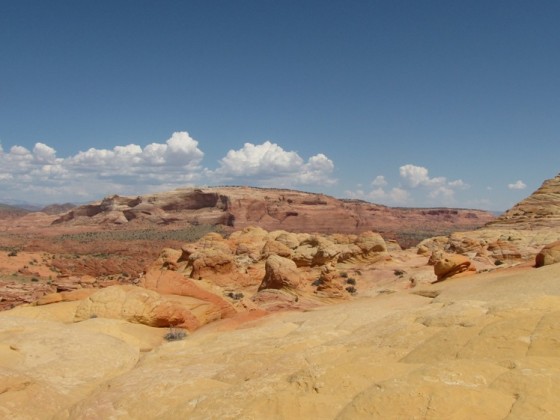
<point>142,306</point>
<point>70,296</point>
<point>550,254</point>
<point>540,210</point>
<point>328,286</point>
<point>450,265</point>
<point>274,247</point>
<point>209,262</point>
<point>271,209</point>
<point>483,347</point>
<point>167,282</point>
<point>54,365</point>
<point>280,273</point>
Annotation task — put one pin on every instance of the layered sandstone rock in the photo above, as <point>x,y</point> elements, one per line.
<point>483,347</point>
<point>142,306</point>
<point>271,209</point>
<point>550,254</point>
<point>540,210</point>
<point>280,273</point>
<point>450,265</point>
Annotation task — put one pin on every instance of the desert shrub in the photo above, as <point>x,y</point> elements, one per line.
<point>317,282</point>
<point>344,274</point>
<point>187,234</point>
<point>498,262</point>
<point>175,334</point>
<point>399,273</point>
<point>235,296</point>
<point>13,253</point>
<point>34,279</point>
<point>351,281</point>
<point>352,290</point>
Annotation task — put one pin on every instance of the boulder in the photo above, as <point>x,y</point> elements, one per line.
<point>171,282</point>
<point>450,265</point>
<point>280,273</point>
<point>303,255</point>
<point>70,296</point>
<point>291,240</point>
<point>327,284</point>
<point>504,250</point>
<point>209,262</point>
<point>437,243</point>
<point>550,254</point>
<point>141,306</point>
<point>371,242</point>
<point>274,247</point>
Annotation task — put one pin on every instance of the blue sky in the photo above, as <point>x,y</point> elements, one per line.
<point>409,103</point>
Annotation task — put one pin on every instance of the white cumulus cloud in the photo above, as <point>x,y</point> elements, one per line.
<point>417,186</point>
<point>379,181</point>
<point>39,175</point>
<point>130,169</point>
<point>517,185</point>
<point>438,187</point>
<point>268,164</point>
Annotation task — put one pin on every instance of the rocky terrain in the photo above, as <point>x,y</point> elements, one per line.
<point>540,210</point>
<point>282,325</point>
<point>275,323</point>
<point>271,209</point>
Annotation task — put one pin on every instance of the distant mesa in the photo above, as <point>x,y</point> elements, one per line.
<point>272,209</point>
<point>8,211</point>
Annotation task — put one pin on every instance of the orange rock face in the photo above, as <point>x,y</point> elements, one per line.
<point>271,209</point>
<point>450,265</point>
<point>280,273</point>
<point>550,254</point>
<point>540,210</point>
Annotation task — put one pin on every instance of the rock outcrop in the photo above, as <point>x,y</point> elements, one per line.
<point>271,209</point>
<point>450,265</point>
<point>280,273</point>
<point>482,347</point>
<point>550,254</point>
<point>142,306</point>
<point>540,210</point>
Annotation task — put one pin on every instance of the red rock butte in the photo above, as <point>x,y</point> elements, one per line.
<point>272,209</point>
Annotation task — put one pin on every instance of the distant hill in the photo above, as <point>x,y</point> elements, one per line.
<point>271,209</point>
<point>8,211</point>
<point>58,208</point>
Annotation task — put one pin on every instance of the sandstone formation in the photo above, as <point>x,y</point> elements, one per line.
<point>280,273</point>
<point>142,306</point>
<point>271,209</point>
<point>451,265</point>
<point>482,347</point>
<point>263,340</point>
<point>540,210</point>
<point>550,254</point>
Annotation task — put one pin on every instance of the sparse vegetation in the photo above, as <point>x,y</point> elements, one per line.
<point>317,282</point>
<point>235,296</point>
<point>175,334</point>
<point>188,234</point>
<point>352,290</point>
<point>351,281</point>
<point>399,273</point>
